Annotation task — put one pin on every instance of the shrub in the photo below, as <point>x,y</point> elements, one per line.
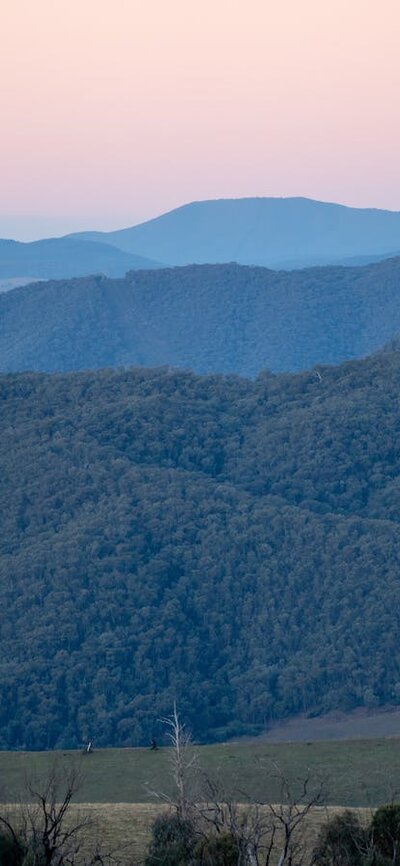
<point>386,832</point>
<point>221,850</point>
<point>172,841</point>
<point>12,849</point>
<point>342,841</point>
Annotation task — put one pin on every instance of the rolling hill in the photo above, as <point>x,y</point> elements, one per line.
<point>272,232</point>
<point>210,318</point>
<point>231,544</point>
<point>65,257</point>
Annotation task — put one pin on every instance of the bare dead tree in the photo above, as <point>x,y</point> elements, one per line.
<point>184,760</point>
<point>48,830</point>
<point>290,814</point>
<point>265,833</point>
<point>248,824</point>
<point>53,836</point>
<point>99,857</point>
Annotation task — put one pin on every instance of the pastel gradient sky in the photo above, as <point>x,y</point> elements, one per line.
<point>113,111</point>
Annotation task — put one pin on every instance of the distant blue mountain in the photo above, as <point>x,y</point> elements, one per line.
<point>57,258</point>
<point>274,232</point>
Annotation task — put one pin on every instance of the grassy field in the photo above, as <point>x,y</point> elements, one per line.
<point>123,829</point>
<point>355,773</point>
<point>118,785</point>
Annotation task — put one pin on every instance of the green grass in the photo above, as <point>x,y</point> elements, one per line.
<point>356,773</point>
<point>117,784</point>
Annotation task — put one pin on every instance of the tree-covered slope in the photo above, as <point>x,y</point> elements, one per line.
<point>211,318</point>
<point>273,232</point>
<point>231,544</point>
<point>61,258</point>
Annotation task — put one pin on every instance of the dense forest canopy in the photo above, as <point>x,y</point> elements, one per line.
<point>210,318</point>
<point>232,544</point>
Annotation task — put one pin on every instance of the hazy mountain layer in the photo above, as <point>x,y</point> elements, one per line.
<point>65,257</point>
<point>14,283</point>
<point>233,545</point>
<point>215,318</point>
<point>274,232</point>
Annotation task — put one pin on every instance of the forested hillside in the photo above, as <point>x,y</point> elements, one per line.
<point>209,318</point>
<point>229,543</point>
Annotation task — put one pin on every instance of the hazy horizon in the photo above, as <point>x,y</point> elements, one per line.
<point>33,228</point>
<point>116,112</point>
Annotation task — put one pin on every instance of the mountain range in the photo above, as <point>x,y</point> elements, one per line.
<point>208,318</point>
<point>271,232</point>
<point>230,542</point>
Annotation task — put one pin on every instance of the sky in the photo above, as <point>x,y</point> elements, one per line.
<point>114,111</point>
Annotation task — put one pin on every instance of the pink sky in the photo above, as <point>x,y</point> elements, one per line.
<point>113,111</point>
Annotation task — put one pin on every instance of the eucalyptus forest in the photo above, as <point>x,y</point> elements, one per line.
<point>229,543</point>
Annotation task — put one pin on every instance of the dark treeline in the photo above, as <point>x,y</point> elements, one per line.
<point>209,318</point>
<point>231,544</point>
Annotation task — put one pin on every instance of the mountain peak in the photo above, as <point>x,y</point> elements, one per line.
<point>274,232</point>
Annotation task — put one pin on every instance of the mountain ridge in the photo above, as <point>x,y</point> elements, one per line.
<point>209,318</point>
<point>54,258</point>
<point>287,232</point>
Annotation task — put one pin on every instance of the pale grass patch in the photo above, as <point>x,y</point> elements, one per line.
<point>126,827</point>
<point>123,829</point>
